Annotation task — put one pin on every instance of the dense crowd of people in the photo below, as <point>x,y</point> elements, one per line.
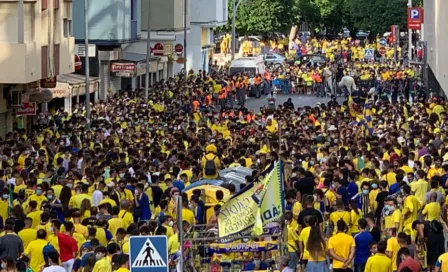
<point>362,195</point>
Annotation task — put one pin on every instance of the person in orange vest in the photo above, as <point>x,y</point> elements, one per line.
<point>268,82</point>
<point>222,98</point>
<point>257,85</point>
<point>231,88</point>
<point>240,91</point>
<point>207,100</point>
<point>318,84</point>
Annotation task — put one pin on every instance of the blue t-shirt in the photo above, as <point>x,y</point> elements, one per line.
<point>343,193</point>
<point>394,188</point>
<point>352,189</point>
<point>362,250</point>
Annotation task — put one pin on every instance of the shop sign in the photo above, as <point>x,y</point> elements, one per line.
<point>78,63</point>
<point>158,49</point>
<point>48,82</point>
<point>27,109</point>
<point>122,69</point>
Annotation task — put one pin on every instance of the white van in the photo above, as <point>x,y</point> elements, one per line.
<point>249,65</point>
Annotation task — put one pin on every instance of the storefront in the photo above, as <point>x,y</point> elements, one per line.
<point>70,90</point>
<point>132,70</point>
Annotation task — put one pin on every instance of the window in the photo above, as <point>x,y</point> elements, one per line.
<point>44,4</point>
<point>67,27</point>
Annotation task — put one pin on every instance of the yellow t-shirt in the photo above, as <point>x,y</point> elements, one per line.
<point>173,244</point>
<point>354,220</point>
<point>378,263</point>
<point>303,238</point>
<point>38,199</point>
<point>35,251</point>
<point>127,218</point>
<point>412,205</point>
<point>188,216</point>
<point>420,188</point>
<point>27,236</point>
<point>81,229</point>
<point>292,239</point>
<point>393,247</point>
<point>390,220</point>
<point>341,244</point>
<point>432,211</point>
<point>114,225</point>
<point>35,216</point>
<point>338,215</point>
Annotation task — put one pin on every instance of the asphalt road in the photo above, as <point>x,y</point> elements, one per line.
<point>298,100</point>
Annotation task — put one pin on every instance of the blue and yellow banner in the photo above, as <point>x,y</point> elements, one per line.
<point>254,207</point>
<point>242,247</point>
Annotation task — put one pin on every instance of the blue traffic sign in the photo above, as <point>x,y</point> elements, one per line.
<point>383,41</point>
<point>148,253</point>
<point>368,53</point>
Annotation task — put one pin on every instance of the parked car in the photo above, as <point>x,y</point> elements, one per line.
<point>319,60</point>
<point>274,58</point>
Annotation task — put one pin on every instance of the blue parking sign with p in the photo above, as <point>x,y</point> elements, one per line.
<point>415,14</point>
<point>148,253</point>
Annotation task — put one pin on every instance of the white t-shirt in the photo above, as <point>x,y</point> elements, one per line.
<point>54,268</point>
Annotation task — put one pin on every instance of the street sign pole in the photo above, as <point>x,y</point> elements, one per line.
<point>409,38</point>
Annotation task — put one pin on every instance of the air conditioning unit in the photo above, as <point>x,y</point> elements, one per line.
<point>16,98</point>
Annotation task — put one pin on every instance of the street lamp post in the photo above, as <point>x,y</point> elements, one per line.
<point>86,44</point>
<point>148,52</point>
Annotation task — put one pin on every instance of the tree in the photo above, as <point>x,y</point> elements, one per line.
<point>260,17</point>
<point>377,16</point>
<point>318,13</point>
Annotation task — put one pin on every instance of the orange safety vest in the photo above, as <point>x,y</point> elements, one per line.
<point>222,94</point>
<point>257,80</point>
<point>208,100</point>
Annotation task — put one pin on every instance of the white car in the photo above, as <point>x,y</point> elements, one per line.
<point>274,58</point>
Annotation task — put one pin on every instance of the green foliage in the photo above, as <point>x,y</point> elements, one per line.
<point>258,17</point>
<point>378,15</point>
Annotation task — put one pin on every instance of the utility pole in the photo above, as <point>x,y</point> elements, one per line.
<point>148,52</point>
<point>86,44</point>
<point>409,37</point>
<point>233,28</point>
<point>185,36</point>
<point>234,9</point>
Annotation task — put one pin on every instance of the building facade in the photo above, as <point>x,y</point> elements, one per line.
<point>111,25</point>
<point>206,15</point>
<point>435,36</point>
<point>36,43</point>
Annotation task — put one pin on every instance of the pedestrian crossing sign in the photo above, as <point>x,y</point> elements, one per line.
<point>368,53</point>
<point>148,253</point>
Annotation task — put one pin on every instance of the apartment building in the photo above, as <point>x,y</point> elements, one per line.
<point>36,45</point>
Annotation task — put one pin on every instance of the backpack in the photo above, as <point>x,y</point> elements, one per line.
<point>210,167</point>
<point>46,250</point>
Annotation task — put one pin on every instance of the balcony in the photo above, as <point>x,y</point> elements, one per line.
<point>209,13</point>
<point>20,63</point>
<point>166,15</point>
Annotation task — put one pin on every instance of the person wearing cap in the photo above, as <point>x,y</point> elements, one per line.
<point>210,163</point>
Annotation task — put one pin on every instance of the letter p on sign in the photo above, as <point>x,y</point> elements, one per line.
<point>415,14</point>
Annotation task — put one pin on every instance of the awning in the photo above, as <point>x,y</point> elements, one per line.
<point>71,85</point>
